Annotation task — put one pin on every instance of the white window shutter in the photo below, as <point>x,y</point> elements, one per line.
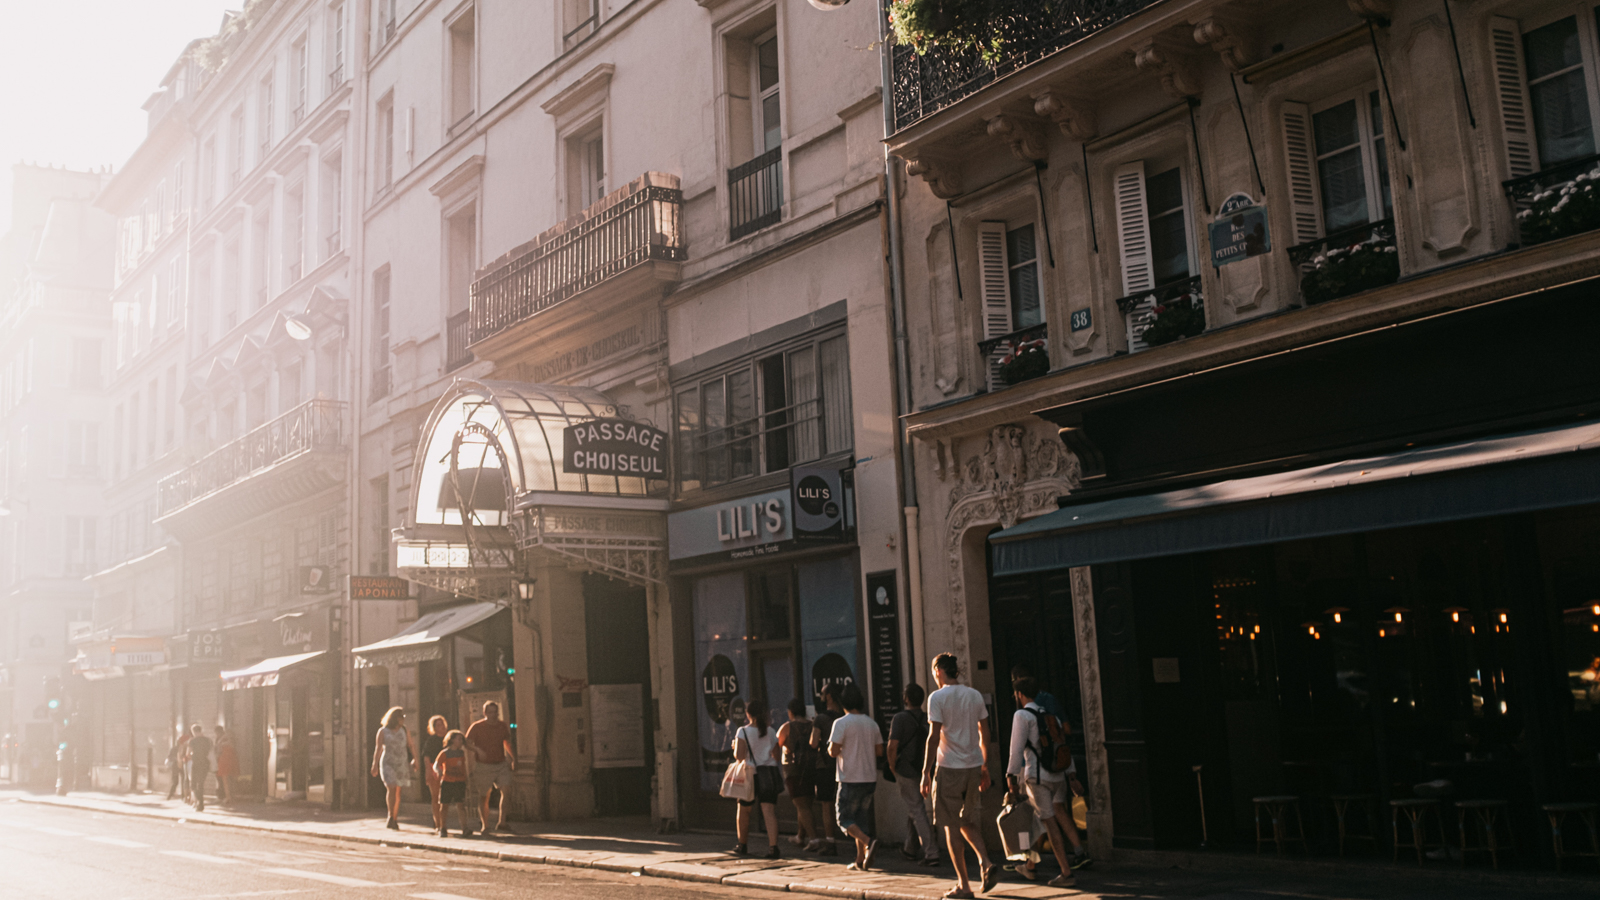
<point>1511,88</point>
<point>1305,208</point>
<point>1133,228</point>
<point>994,287</point>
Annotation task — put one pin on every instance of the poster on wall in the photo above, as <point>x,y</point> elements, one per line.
<point>723,669</point>
<point>818,503</point>
<point>616,725</point>
<point>828,623</point>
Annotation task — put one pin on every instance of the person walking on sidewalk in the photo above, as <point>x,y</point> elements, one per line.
<point>227,765</point>
<point>178,766</point>
<point>432,745</point>
<point>857,743</point>
<point>827,786</point>
<point>799,770</point>
<point>452,768</point>
<point>494,759</point>
<point>199,765</point>
<point>756,741</point>
<point>908,742</point>
<point>1035,732</point>
<point>394,757</point>
<point>956,775</point>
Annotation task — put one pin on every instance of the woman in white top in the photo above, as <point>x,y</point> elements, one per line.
<point>757,742</point>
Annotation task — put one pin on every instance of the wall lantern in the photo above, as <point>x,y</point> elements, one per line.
<point>525,588</point>
<point>1337,612</point>
<point>1455,612</point>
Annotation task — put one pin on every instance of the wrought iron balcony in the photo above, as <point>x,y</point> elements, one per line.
<point>457,329</point>
<point>1526,190</point>
<point>993,350</point>
<point>1138,310</point>
<point>755,194</point>
<point>923,85</point>
<point>631,226</point>
<point>1382,230</point>
<point>316,425</point>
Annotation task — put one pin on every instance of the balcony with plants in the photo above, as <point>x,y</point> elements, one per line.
<point>1347,262</point>
<point>1017,357</point>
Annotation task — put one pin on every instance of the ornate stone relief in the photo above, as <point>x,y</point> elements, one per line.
<point>1228,39</point>
<point>941,175</point>
<point>1075,117</point>
<point>1094,719</point>
<point>1157,57</point>
<point>1025,138</point>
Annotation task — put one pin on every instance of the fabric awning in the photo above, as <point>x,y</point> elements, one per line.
<point>421,639</point>
<point>265,673</point>
<point>1505,474</point>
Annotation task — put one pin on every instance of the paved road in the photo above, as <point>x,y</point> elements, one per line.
<point>58,854</point>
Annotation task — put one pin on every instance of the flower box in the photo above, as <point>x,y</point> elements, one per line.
<point>1180,317</point>
<point>1028,359</point>
<point>1342,271</point>
<point>1564,209</point>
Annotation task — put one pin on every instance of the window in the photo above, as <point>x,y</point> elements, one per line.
<point>586,171</point>
<point>116,442</point>
<point>135,419</point>
<point>294,229</point>
<point>1169,232</point>
<point>83,448</point>
<point>79,545</point>
<point>462,228</point>
<point>1153,237</point>
<point>208,173</point>
<point>258,261</point>
<point>386,21</point>
<point>86,363</point>
<point>1008,263</point>
<point>380,526</point>
<point>380,333</point>
<point>1338,164</point>
<point>265,107</point>
<point>579,19</point>
<point>171,437</point>
<point>289,387</point>
<point>385,147</point>
<point>1547,88</point>
<point>177,193</point>
<point>335,47</point>
<point>153,425</point>
<point>764,75</point>
<point>332,206</point>
<point>765,414</point>
<point>231,286</point>
<point>236,142</point>
<point>174,291</point>
<point>300,54</point>
<point>462,46</point>
<point>755,187</point>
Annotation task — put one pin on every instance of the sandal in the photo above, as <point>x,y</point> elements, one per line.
<point>958,893</point>
<point>991,877</point>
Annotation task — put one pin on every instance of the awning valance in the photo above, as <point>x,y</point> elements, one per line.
<point>1505,474</point>
<point>422,639</point>
<point>266,672</point>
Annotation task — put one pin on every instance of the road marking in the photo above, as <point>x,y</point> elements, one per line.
<point>439,896</point>
<point>119,842</point>
<point>201,857</point>
<point>339,880</point>
<point>58,832</point>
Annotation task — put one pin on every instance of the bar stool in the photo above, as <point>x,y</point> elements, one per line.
<point>1341,812</point>
<point>1277,807</point>
<point>1487,814</point>
<point>1416,811</point>
<point>1558,813</point>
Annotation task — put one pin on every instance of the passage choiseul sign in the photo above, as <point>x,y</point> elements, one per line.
<point>614,447</point>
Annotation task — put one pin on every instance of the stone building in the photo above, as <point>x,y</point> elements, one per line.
<point>1278,255</point>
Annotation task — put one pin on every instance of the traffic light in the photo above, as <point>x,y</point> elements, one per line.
<point>53,698</point>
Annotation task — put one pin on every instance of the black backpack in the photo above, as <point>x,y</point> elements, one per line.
<point>805,756</point>
<point>1052,752</point>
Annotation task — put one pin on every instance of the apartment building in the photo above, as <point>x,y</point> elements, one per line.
<point>1305,289</point>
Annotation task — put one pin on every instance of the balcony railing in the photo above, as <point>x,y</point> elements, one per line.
<point>993,350</point>
<point>1382,229</point>
<point>755,194</point>
<point>457,330</point>
<point>316,425</point>
<point>769,442</point>
<point>923,85</point>
<point>1524,190</point>
<point>1138,310</point>
<point>631,226</point>
<point>335,78</point>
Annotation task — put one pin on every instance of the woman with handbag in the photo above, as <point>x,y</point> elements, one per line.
<point>755,743</point>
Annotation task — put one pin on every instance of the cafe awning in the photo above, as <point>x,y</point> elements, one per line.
<point>422,639</point>
<point>1505,474</point>
<point>266,672</point>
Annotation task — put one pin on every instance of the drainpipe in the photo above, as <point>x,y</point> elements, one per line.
<point>911,536</point>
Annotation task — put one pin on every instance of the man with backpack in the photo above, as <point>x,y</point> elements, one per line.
<point>1039,764</point>
<point>908,741</point>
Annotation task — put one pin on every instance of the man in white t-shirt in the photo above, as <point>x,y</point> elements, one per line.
<point>856,742</point>
<point>1046,790</point>
<point>956,775</point>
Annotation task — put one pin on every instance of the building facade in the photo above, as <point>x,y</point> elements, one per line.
<point>1306,249</point>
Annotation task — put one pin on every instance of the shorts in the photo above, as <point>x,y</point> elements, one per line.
<point>491,775</point>
<point>452,792</point>
<point>956,799</point>
<point>826,787</point>
<point>800,781</point>
<point>769,784</point>
<point>1047,796</point>
<point>855,804</point>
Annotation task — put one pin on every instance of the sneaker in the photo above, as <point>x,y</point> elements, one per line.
<point>1063,881</point>
<point>466,832</point>
<point>991,877</point>
<point>392,825</point>
<point>872,854</point>
<point>931,862</point>
<point>1026,872</point>
<point>443,833</point>
<point>772,854</point>
<point>741,850</point>
<point>1081,861</point>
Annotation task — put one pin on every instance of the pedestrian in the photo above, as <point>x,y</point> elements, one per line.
<point>958,772</point>
<point>177,766</point>
<point>827,784</point>
<point>799,770</point>
<point>908,741</point>
<point>432,746</point>
<point>756,742</point>
<point>199,765</point>
<point>494,758</point>
<point>856,742</point>
<point>394,757</point>
<point>1030,771</point>
<point>452,768</point>
<point>227,764</point>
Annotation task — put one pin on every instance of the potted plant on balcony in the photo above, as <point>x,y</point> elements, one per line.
<point>1563,209</point>
<point>1028,359</point>
<point>956,24</point>
<point>1180,317</point>
<point>1343,271</point>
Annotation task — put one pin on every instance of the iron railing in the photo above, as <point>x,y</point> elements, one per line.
<point>768,442</point>
<point>995,349</point>
<point>755,194</point>
<point>610,238</point>
<point>335,78</point>
<point>1522,191</point>
<point>457,331</point>
<point>1382,230</point>
<point>1034,29</point>
<point>316,425</point>
<point>1138,310</point>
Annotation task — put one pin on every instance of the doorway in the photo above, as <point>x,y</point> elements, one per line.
<point>617,631</point>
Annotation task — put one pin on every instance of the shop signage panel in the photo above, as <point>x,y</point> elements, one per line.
<point>748,528</point>
<point>293,633</point>
<point>818,502</point>
<point>138,651</point>
<point>614,447</point>
<point>316,580</point>
<point>379,587</point>
<point>206,647</point>
<point>883,643</point>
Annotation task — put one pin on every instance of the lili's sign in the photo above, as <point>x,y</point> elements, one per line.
<point>1240,231</point>
<point>614,447</point>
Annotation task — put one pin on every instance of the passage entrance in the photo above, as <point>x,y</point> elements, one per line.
<point>618,641</point>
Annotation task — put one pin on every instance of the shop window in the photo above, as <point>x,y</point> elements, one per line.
<point>765,414</point>
<point>1338,164</point>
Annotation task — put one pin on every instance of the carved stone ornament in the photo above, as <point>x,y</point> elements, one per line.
<point>1176,74</point>
<point>1073,116</point>
<point>941,176</point>
<point>1025,138</point>
<point>1379,11</point>
<point>1227,40</point>
<point>1094,725</point>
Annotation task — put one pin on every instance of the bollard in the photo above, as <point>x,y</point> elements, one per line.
<point>61,770</point>
<point>149,768</point>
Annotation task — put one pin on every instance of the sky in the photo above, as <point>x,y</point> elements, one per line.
<point>78,71</point>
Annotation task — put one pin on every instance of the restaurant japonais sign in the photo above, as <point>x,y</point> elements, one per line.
<point>614,447</point>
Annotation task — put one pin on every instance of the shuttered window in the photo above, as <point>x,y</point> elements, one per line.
<point>1153,238</point>
<point>1008,282</point>
<point>1338,167</point>
<point>1547,86</point>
